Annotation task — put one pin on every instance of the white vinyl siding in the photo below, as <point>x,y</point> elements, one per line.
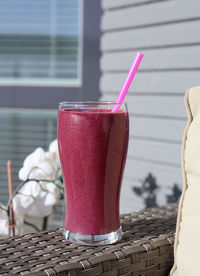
<point>166,32</point>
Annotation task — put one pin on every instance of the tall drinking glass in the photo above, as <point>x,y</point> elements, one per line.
<point>93,144</point>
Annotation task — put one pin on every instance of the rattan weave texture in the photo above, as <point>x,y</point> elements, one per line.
<point>146,249</point>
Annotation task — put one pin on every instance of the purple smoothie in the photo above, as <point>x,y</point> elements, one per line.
<point>93,147</point>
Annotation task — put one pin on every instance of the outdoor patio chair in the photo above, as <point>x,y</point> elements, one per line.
<point>146,249</point>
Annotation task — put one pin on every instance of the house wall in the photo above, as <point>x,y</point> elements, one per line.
<point>167,33</point>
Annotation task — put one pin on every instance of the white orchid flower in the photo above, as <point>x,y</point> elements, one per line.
<point>39,194</point>
<point>31,161</point>
<point>53,149</point>
<point>37,198</point>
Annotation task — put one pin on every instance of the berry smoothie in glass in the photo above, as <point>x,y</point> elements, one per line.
<point>93,142</point>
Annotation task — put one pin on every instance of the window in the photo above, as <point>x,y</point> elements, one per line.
<point>40,42</point>
<point>21,132</point>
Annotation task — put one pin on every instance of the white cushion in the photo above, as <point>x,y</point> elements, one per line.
<point>187,242</point>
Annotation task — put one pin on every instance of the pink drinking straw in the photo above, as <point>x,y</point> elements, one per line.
<point>128,81</point>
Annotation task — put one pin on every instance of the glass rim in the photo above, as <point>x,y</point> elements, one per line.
<point>90,103</point>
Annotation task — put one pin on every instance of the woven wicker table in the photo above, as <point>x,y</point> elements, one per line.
<point>145,250</point>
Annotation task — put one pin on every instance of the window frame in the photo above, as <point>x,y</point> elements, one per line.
<point>55,82</point>
<point>47,96</point>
